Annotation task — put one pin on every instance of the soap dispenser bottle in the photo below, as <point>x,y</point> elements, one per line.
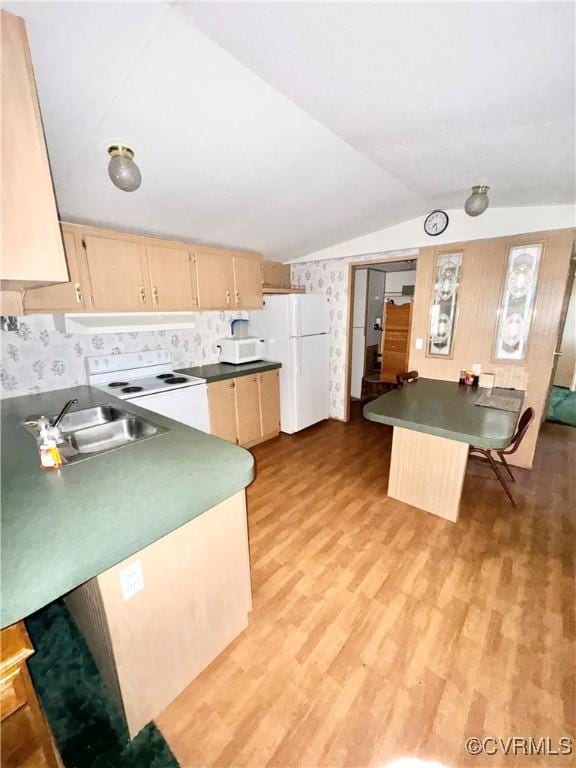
<point>47,447</point>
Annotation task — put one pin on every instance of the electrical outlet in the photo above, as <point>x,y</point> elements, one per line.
<point>419,344</point>
<point>131,579</point>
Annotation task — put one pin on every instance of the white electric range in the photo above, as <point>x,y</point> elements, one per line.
<point>148,380</point>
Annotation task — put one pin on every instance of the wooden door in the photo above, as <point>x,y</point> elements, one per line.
<point>247,280</point>
<point>222,406</point>
<point>72,296</point>
<point>395,340</point>
<point>117,270</point>
<point>172,280</point>
<point>247,410</point>
<point>215,277</point>
<point>32,252</point>
<point>269,392</point>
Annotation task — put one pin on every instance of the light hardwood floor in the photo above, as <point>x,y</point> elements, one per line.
<point>380,631</point>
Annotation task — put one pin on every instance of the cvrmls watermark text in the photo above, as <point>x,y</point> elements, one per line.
<point>520,745</point>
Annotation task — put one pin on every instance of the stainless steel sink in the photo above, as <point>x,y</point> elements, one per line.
<point>105,437</point>
<point>92,431</point>
<point>90,417</point>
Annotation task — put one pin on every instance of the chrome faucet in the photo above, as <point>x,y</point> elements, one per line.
<point>63,412</point>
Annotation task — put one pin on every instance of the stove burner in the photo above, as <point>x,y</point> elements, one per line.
<point>176,380</point>
<point>165,376</point>
<point>118,384</point>
<point>132,389</point>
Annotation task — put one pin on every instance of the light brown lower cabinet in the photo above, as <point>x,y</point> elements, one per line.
<point>269,390</point>
<point>195,599</point>
<point>222,405</point>
<point>248,426</point>
<point>26,738</point>
<point>246,410</point>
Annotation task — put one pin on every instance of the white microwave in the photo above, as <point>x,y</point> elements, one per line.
<point>237,351</point>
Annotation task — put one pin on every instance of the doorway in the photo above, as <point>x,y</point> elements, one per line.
<point>379,331</point>
<point>561,407</point>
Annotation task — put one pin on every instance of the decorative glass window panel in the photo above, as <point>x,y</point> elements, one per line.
<point>444,304</point>
<point>517,302</point>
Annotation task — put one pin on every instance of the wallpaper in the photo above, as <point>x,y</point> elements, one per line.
<point>331,279</point>
<point>37,357</point>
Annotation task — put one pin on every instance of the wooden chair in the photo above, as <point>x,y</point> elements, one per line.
<point>523,423</point>
<point>405,377</point>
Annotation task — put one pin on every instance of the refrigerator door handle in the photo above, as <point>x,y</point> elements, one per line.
<point>296,319</point>
<point>298,357</point>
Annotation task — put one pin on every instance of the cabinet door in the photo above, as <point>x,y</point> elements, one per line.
<point>117,270</point>
<point>32,251</point>
<point>222,406</point>
<point>171,279</point>
<point>247,410</point>
<point>275,274</point>
<point>215,276</point>
<point>269,391</point>
<point>247,280</point>
<point>73,296</point>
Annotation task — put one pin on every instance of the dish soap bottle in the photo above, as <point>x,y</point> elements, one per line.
<point>47,447</point>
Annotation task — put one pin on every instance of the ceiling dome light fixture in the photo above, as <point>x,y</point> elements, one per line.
<point>478,200</point>
<point>123,171</point>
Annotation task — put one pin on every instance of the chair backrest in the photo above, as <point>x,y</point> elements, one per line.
<point>523,423</point>
<point>407,376</point>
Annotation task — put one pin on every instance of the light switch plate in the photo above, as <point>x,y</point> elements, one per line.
<point>131,579</point>
<point>419,344</point>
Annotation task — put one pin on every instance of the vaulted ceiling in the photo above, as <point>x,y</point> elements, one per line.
<point>287,127</point>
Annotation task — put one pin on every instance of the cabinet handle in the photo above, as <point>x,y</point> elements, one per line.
<point>237,297</point>
<point>78,290</point>
<point>227,297</point>
<point>155,292</point>
<point>142,294</point>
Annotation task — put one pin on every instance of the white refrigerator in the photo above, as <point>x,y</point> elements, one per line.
<point>295,327</point>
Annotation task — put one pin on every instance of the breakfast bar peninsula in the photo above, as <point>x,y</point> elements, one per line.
<point>435,422</point>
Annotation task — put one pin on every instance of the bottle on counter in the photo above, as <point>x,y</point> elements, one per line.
<point>48,450</point>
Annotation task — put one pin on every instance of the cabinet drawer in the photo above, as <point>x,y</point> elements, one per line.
<point>12,694</point>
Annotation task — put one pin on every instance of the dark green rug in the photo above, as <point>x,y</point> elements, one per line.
<point>86,724</point>
<point>562,406</point>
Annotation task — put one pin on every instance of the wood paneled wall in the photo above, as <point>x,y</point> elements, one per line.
<point>483,270</point>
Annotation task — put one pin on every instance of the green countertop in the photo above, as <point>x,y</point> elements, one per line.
<point>445,409</point>
<point>220,371</point>
<point>61,528</point>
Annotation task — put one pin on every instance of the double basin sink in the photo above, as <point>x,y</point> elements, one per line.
<point>93,431</point>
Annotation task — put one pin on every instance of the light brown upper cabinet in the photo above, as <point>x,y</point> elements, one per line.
<point>275,274</point>
<point>247,280</point>
<point>32,251</point>
<point>215,275</point>
<point>228,279</point>
<point>172,279</point>
<point>123,272</point>
<point>118,274</point>
<point>73,296</point>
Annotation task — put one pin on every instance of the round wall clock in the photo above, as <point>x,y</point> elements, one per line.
<point>435,223</point>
